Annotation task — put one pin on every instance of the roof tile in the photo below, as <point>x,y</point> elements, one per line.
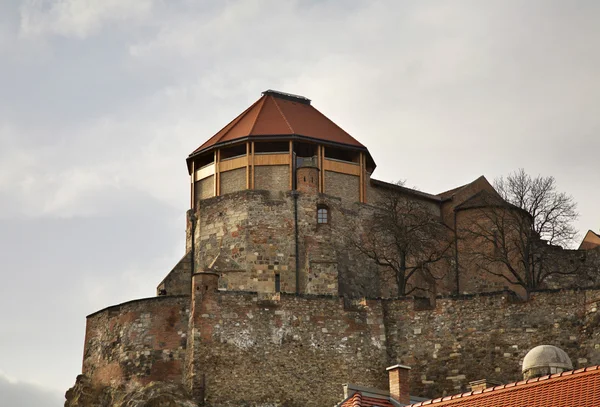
<point>277,116</point>
<point>576,388</point>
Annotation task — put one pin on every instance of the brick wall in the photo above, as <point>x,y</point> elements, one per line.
<point>342,185</point>
<point>234,180</point>
<point>272,177</point>
<point>205,188</point>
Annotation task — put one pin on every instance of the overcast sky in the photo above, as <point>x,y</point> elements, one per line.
<point>102,100</point>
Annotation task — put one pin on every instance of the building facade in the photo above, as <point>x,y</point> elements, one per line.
<point>271,297</point>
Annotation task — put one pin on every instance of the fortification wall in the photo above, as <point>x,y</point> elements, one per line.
<point>471,338</point>
<point>276,350</point>
<point>253,235</point>
<point>297,351</point>
<point>177,282</point>
<point>137,342</point>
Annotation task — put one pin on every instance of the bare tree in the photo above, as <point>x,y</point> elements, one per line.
<point>553,212</point>
<point>406,237</point>
<point>512,233</point>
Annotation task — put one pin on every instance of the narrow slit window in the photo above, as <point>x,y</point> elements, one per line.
<point>277,283</point>
<point>322,215</point>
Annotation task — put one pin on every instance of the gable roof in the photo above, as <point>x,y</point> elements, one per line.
<point>278,114</point>
<point>591,240</point>
<point>448,194</point>
<point>575,388</point>
<point>403,189</point>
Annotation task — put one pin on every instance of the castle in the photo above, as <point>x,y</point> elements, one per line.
<point>272,303</point>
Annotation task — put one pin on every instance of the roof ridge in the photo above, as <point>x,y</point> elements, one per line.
<point>258,114</point>
<point>521,384</point>
<point>281,113</point>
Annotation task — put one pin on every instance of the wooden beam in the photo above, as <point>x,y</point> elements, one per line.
<point>272,159</point>
<point>217,178</point>
<point>291,164</point>
<point>320,167</point>
<point>252,166</point>
<point>323,167</point>
<point>341,167</point>
<point>232,164</point>
<point>247,165</point>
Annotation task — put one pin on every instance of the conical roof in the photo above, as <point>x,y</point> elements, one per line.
<point>277,114</point>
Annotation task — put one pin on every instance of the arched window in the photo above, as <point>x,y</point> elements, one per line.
<point>322,214</point>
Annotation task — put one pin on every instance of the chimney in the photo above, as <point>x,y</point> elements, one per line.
<point>482,384</point>
<point>399,384</point>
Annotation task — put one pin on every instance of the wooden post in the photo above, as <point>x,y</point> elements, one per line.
<point>216,179</point>
<point>193,186</point>
<point>322,169</point>
<point>291,165</point>
<point>252,166</point>
<point>247,165</point>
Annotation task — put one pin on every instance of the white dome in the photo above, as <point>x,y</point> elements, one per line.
<point>547,356</point>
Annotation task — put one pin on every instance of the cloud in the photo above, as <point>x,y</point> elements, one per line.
<point>21,394</point>
<point>78,18</point>
<point>103,100</point>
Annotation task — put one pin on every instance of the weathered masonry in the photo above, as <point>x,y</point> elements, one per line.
<point>271,298</point>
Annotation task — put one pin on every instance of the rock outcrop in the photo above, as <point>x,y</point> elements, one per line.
<point>154,394</point>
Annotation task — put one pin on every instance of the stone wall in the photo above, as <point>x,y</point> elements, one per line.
<point>234,180</point>
<point>250,236</point>
<point>272,177</point>
<point>177,282</point>
<point>204,188</point>
<point>343,186</point>
<point>297,351</point>
<point>471,338</point>
<point>137,342</point>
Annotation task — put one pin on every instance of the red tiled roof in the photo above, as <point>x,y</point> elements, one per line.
<point>575,388</point>
<point>358,400</point>
<point>279,114</point>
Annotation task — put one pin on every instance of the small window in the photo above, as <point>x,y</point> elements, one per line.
<point>277,283</point>
<point>322,214</point>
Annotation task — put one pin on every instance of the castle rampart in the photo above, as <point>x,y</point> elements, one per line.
<point>137,342</point>
<point>267,307</point>
<point>256,349</point>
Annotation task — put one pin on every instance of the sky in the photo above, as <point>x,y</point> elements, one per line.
<point>101,101</point>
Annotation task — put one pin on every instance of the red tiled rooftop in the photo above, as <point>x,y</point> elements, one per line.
<point>277,114</point>
<point>575,388</point>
